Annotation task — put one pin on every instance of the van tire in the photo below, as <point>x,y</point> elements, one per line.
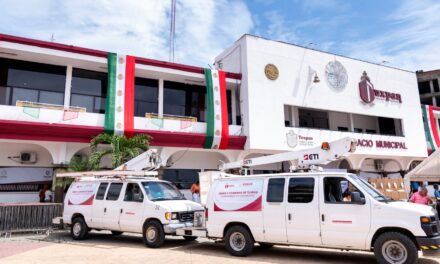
<point>189,238</point>
<point>117,233</point>
<point>244,242</point>
<point>395,241</point>
<point>153,234</point>
<point>79,229</point>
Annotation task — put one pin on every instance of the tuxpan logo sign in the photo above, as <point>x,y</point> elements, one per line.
<point>368,94</point>
<point>366,89</point>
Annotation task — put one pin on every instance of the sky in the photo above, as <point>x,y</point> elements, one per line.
<point>398,33</point>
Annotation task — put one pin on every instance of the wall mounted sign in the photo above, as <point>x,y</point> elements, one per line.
<point>386,144</point>
<point>336,75</point>
<point>368,94</point>
<point>271,71</point>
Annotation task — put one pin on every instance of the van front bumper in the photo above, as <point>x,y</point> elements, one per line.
<point>429,245</point>
<point>170,229</point>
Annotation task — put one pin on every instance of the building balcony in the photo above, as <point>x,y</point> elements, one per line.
<point>32,121</point>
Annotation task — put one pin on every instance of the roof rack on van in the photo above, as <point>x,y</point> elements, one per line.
<point>109,173</point>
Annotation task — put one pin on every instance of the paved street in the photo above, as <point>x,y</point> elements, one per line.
<point>104,248</point>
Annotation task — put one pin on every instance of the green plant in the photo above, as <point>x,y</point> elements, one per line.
<point>122,148</point>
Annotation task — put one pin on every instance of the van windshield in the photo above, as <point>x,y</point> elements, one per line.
<point>369,189</point>
<point>161,191</point>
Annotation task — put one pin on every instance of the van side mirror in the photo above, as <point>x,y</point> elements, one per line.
<point>356,198</point>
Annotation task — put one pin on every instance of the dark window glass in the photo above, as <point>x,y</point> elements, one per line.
<point>358,130</point>
<point>145,96</point>
<point>313,118</point>
<point>89,90</point>
<point>342,128</point>
<point>101,191</point>
<point>424,87</point>
<point>181,178</point>
<point>435,84</point>
<point>133,193</point>
<point>301,190</point>
<point>113,191</point>
<point>229,98</point>
<point>184,100</point>
<point>275,190</point>
<point>387,126</point>
<point>29,81</point>
<point>427,101</point>
<point>371,131</point>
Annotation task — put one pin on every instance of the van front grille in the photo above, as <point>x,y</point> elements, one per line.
<point>186,216</point>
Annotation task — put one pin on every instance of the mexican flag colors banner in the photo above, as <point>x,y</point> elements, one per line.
<point>119,109</point>
<point>217,126</point>
<point>431,131</point>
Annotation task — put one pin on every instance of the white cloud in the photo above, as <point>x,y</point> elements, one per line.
<point>413,44</point>
<point>203,28</point>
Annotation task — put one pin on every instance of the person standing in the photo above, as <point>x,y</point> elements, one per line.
<point>42,193</point>
<point>436,192</point>
<point>195,190</point>
<point>421,197</point>
<point>48,195</point>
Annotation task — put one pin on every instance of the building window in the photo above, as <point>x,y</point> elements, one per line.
<point>313,118</point>
<point>424,87</point>
<point>436,85</point>
<point>30,81</point>
<point>181,178</point>
<point>387,126</point>
<point>89,90</point>
<point>184,100</point>
<point>145,96</point>
<point>344,129</point>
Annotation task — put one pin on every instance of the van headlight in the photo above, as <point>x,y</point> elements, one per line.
<point>171,216</point>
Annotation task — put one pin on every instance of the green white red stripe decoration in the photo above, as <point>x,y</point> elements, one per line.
<point>119,109</point>
<point>431,129</point>
<point>217,125</point>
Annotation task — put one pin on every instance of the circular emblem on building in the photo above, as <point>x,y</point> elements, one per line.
<point>271,71</point>
<point>336,75</point>
<point>292,139</point>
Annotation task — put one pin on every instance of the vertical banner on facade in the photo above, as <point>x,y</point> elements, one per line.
<point>431,131</point>
<point>217,125</point>
<point>119,111</point>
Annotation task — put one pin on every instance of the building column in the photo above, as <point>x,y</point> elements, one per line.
<point>160,98</point>
<point>351,122</point>
<point>233,107</point>
<point>68,86</point>
<point>431,88</point>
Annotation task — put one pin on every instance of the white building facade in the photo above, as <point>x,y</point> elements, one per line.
<point>53,97</point>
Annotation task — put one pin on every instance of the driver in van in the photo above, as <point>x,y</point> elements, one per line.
<point>137,195</point>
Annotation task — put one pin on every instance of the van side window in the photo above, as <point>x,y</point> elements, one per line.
<point>133,193</point>
<point>113,191</point>
<point>275,190</point>
<point>101,191</point>
<point>338,190</point>
<point>301,190</point>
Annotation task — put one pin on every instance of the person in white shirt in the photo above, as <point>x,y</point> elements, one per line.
<point>48,195</point>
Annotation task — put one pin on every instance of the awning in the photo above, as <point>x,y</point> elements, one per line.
<point>427,170</point>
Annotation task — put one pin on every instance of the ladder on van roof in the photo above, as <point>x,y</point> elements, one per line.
<point>124,174</point>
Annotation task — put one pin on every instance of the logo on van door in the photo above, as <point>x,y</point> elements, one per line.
<point>313,156</point>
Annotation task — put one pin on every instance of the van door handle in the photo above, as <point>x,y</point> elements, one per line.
<point>121,210</point>
<point>289,216</point>
<point>105,210</point>
<point>323,218</point>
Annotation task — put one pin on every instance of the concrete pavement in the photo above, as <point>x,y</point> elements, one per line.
<point>102,247</point>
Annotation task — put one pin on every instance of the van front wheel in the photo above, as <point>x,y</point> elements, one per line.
<point>153,234</point>
<point>239,241</point>
<point>394,247</point>
<point>79,229</point>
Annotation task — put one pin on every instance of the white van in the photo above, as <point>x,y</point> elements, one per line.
<point>143,205</point>
<point>318,209</point>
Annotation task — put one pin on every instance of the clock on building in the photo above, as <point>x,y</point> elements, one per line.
<point>336,75</point>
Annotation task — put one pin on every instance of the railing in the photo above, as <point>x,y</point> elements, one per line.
<point>49,106</point>
<point>28,217</point>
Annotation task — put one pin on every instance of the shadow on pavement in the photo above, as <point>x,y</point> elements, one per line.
<point>277,254</point>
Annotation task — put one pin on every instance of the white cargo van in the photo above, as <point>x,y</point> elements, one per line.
<point>143,205</point>
<point>318,209</point>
